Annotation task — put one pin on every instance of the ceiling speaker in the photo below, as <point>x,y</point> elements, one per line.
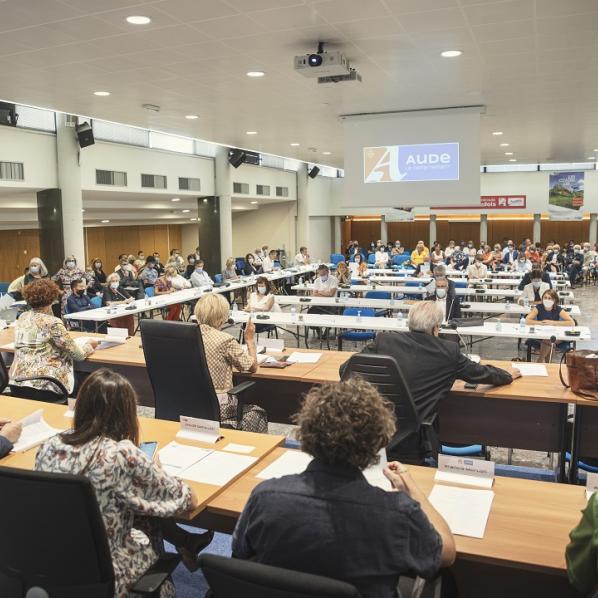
<point>236,157</point>
<point>84,134</point>
<point>313,173</point>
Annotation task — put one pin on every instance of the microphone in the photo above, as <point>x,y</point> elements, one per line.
<point>552,345</point>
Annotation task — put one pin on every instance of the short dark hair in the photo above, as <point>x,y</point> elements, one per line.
<point>323,268</point>
<point>150,259</point>
<point>265,281</point>
<point>75,282</point>
<point>106,406</point>
<point>345,423</point>
<point>40,292</point>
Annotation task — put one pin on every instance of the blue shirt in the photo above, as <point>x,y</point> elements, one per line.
<point>76,303</point>
<point>5,446</point>
<point>544,314</point>
<point>330,521</point>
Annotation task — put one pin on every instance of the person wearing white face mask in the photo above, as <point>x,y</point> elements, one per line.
<point>325,285</point>
<point>37,269</point>
<point>260,300</point>
<point>534,290</point>
<point>442,290</point>
<point>200,277</point>
<point>114,294</point>
<point>548,313</point>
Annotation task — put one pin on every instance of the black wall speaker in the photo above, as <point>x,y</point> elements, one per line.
<point>84,134</point>
<point>236,157</point>
<point>313,173</point>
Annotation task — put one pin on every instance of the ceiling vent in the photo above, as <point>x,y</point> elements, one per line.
<point>241,188</point>
<point>262,189</point>
<point>111,177</point>
<point>153,181</point>
<point>282,191</point>
<point>12,171</point>
<point>188,184</point>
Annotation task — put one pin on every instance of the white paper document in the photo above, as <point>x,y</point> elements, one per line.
<point>374,474</point>
<point>288,463</point>
<point>466,511</point>
<point>8,347</point>
<point>201,430</point>
<point>530,369</point>
<point>218,468</point>
<point>232,447</point>
<point>70,412</point>
<point>35,431</point>
<point>465,470</point>
<point>175,458</point>
<point>297,357</point>
<point>270,344</point>
<point>105,341</point>
<point>263,358</point>
<point>6,302</point>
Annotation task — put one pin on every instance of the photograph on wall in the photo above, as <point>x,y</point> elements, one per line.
<point>565,195</point>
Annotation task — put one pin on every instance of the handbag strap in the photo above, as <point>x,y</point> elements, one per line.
<point>561,369</point>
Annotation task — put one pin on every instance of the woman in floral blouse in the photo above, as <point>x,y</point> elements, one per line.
<point>69,272</point>
<point>43,347</point>
<point>137,499</point>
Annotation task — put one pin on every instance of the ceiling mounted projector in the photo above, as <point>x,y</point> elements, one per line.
<point>327,67</point>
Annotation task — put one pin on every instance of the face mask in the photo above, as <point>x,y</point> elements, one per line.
<point>191,261</point>
<point>80,292</point>
<point>261,290</point>
<point>441,293</point>
<point>536,283</point>
<point>323,278</point>
<point>70,265</point>
<point>124,264</point>
<point>548,304</point>
<point>141,257</point>
<point>200,270</point>
<point>114,285</point>
<point>34,269</point>
<point>98,265</point>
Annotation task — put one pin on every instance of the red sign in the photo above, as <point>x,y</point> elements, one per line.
<point>492,202</point>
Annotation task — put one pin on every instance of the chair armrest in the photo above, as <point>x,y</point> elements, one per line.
<point>156,575</point>
<point>431,421</point>
<point>240,389</point>
<point>54,381</point>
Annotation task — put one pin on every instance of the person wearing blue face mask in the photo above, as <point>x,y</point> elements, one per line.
<point>325,285</point>
<point>200,277</point>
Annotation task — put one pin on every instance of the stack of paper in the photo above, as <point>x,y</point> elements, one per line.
<point>530,369</point>
<point>466,511</point>
<point>374,474</point>
<point>297,357</point>
<point>175,458</point>
<point>288,463</point>
<point>35,431</point>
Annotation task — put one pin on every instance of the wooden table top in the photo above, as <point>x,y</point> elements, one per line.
<point>160,431</point>
<point>528,527</point>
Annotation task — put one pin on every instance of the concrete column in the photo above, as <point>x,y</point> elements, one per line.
<point>593,228</point>
<point>432,229</point>
<point>383,230</point>
<point>537,232</point>
<point>223,187</point>
<point>484,228</point>
<point>338,235</point>
<point>302,209</point>
<point>69,182</point>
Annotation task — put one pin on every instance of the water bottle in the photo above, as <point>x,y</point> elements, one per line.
<point>400,318</point>
<point>522,324</point>
<point>235,307</point>
<point>359,316</point>
<point>293,314</point>
<point>525,302</point>
<point>498,326</point>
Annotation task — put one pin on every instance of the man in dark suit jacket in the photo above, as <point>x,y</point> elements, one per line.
<point>527,277</point>
<point>430,365</point>
<point>442,291</point>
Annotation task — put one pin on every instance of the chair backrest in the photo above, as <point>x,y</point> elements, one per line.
<point>3,375</point>
<point>377,295</point>
<point>384,373</point>
<point>66,553</point>
<point>230,577</point>
<point>397,260</point>
<point>178,370</point>
<point>96,301</point>
<point>365,312</point>
<point>150,292</point>
<point>372,258</point>
<point>460,284</point>
<point>239,264</point>
<point>218,278</point>
<point>336,258</point>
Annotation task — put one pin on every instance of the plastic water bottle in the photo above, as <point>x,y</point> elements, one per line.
<point>359,316</point>
<point>522,324</point>
<point>526,302</point>
<point>235,307</point>
<point>498,326</point>
<point>400,317</point>
<point>293,314</point>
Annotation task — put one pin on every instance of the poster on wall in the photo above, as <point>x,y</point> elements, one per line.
<point>565,195</point>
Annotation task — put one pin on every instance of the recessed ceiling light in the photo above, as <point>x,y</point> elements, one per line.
<point>451,53</point>
<point>596,150</point>
<point>186,211</point>
<point>512,160</point>
<point>254,202</point>
<point>192,219</point>
<point>191,116</point>
<point>508,153</point>
<point>326,153</point>
<point>105,221</point>
<point>496,132</point>
<point>176,199</point>
<point>255,74</point>
<point>591,157</point>
<point>138,20</point>
<point>101,93</point>
<point>251,132</point>
<point>295,144</point>
<point>82,210</point>
<point>504,145</point>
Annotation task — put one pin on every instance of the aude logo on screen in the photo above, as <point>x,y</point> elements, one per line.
<point>406,163</point>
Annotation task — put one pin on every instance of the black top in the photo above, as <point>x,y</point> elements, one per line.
<point>431,365</point>
<point>189,270</point>
<point>119,295</point>
<point>329,521</point>
<point>527,278</point>
<point>251,269</point>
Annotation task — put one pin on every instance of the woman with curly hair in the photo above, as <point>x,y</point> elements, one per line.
<point>329,520</point>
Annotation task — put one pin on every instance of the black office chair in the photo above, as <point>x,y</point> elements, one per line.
<point>26,392</point>
<point>235,578</point>
<point>178,371</point>
<point>415,439</point>
<point>61,546</point>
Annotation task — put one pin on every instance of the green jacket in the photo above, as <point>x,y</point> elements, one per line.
<point>582,551</point>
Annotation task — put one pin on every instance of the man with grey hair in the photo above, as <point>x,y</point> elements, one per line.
<point>430,365</point>
<point>442,291</point>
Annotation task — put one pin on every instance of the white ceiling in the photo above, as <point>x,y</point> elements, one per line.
<point>533,63</point>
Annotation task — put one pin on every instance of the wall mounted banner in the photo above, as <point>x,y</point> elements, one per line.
<point>491,202</point>
<point>566,195</point>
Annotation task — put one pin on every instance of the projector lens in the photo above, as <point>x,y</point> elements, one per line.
<point>314,60</point>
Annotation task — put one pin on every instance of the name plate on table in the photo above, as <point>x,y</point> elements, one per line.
<point>591,484</point>
<point>463,470</point>
<point>202,430</point>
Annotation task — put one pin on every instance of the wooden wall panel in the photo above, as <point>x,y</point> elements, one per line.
<point>95,247</point>
<point>442,232</point>
<point>365,231</point>
<point>175,236</point>
<point>464,231</point>
<point>18,247</point>
<point>409,233</point>
<point>562,232</point>
<point>345,235</point>
<point>516,230</point>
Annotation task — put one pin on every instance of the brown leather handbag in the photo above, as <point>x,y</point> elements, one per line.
<point>582,372</point>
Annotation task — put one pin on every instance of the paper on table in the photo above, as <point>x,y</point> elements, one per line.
<point>238,448</point>
<point>374,474</point>
<point>272,344</point>
<point>35,431</point>
<point>530,369</point>
<point>265,359</point>
<point>218,468</point>
<point>105,342</point>
<point>288,463</point>
<point>460,478</point>
<point>8,347</point>
<point>6,301</point>
<point>466,511</point>
<point>175,458</point>
<point>297,357</point>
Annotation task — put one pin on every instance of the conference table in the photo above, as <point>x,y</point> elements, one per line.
<point>462,273</point>
<point>506,282</point>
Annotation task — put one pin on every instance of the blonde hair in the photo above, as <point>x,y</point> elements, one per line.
<point>112,278</point>
<point>42,267</point>
<point>212,310</point>
<point>170,270</point>
<point>230,262</point>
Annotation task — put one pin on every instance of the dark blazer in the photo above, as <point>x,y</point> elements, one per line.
<point>431,365</point>
<point>251,269</point>
<point>5,446</point>
<point>527,278</point>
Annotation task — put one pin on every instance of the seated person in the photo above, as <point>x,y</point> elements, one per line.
<point>191,259</point>
<point>251,268</point>
<point>43,347</point>
<point>200,278</point>
<point>343,276</point>
<point>534,290</point>
<point>170,282</point>
<point>268,263</point>
<point>114,294</point>
<point>137,499</point>
<point>223,353</point>
<point>478,270</point>
<point>306,521</point>
<point>230,271</point>
<point>15,288</point>
<point>325,285</point>
<point>527,277</point>
<point>149,274</point>
<point>459,260</point>
<point>262,299</point>
<point>548,313</point>
<point>79,301</point>
<point>430,364</point>
<point>10,432</point>
<point>302,258</point>
<point>420,254</point>
<point>98,277</point>
<point>509,255</point>
<point>381,257</point>
<point>355,264</point>
<point>521,264</point>
<point>444,295</point>
<point>437,256</point>
<point>37,269</point>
